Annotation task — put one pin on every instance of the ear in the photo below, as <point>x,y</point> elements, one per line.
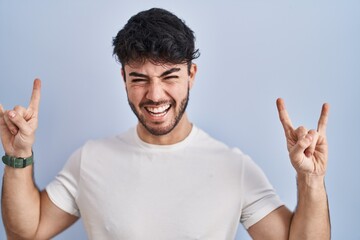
<point>123,74</point>
<point>193,70</point>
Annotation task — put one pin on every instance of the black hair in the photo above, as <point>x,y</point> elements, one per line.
<point>156,35</point>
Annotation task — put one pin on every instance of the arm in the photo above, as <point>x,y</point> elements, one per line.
<point>27,213</point>
<point>308,151</point>
<point>311,219</point>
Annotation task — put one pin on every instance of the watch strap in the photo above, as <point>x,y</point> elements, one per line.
<point>16,162</point>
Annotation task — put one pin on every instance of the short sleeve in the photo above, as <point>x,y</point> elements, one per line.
<point>259,196</point>
<point>63,190</point>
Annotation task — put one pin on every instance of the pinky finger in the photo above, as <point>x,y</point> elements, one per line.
<point>322,123</point>
<point>1,111</point>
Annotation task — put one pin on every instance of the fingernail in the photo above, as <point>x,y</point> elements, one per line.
<point>12,114</point>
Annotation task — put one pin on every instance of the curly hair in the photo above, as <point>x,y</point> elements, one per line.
<point>156,35</point>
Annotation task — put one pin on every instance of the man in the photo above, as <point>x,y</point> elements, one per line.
<point>166,178</point>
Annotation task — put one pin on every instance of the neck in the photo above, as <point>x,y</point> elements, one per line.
<point>179,133</point>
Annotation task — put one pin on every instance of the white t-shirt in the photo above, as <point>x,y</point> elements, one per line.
<point>199,188</point>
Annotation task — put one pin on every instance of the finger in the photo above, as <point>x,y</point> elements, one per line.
<point>1,111</point>
<point>284,116</point>
<point>9,124</point>
<point>311,149</point>
<point>300,132</point>
<point>301,145</point>
<point>20,110</point>
<point>322,123</point>
<point>2,119</point>
<point>4,130</point>
<point>35,97</point>
<point>19,122</point>
<point>23,112</point>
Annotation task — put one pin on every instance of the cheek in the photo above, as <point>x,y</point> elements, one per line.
<point>134,93</point>
<point>180,92</point>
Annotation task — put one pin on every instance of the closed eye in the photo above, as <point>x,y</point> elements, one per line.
<point>170,77</point>
<point>138,80</point>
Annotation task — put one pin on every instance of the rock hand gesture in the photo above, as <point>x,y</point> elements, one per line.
<point>17,126</point>
<point>308,149</point>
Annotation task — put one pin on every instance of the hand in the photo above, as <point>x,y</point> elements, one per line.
<point>308,149</point>
<point>17,126</point>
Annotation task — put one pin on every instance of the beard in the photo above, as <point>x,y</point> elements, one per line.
<point>159,131</point>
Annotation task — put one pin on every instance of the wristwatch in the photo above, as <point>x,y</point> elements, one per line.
<point>16,162</point>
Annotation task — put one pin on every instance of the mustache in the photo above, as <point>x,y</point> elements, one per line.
<point>158,103</point>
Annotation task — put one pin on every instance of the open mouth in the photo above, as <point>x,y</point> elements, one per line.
<point>158,111</point>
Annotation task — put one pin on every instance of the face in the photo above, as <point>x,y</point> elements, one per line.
<point>158,94</point>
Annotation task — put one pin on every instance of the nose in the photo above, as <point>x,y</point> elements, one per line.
<point>155,91</point>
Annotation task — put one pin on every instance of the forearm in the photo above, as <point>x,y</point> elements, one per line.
<point>311,219</point>
<point>20,203</point>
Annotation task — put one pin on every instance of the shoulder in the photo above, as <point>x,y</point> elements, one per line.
<point>207,141</point>
<point>123,140</point>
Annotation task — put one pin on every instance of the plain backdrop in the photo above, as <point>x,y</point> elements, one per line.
<point>252,52</point>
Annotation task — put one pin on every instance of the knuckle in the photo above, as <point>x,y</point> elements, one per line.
<point>10,124</point>
<point>13,130</point>
<point>18,108</point>
<point>6,118</point>
<point>312,131</point>
<point>301,131</point>
<point>315,134</point>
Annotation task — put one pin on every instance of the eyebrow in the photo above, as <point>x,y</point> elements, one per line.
<point>170,71</point>
<point>167,72</point>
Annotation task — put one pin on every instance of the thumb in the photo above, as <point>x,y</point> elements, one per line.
<point>302,144</point>
<point>311,149</point>
<point>16,119</point>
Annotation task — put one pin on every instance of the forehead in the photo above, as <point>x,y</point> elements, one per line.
<point>152,69</point>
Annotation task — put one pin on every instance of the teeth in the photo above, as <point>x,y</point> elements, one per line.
<point>157,110</point>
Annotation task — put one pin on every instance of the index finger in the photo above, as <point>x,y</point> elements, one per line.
<point>35,96</point>
<point>284,116</point>
<point>322,123</point>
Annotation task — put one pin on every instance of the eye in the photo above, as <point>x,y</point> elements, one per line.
<point>171,77</point>
<point>139,80</point>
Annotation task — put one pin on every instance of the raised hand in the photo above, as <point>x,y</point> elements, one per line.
<point>308,149</point>
<point>17,126</point>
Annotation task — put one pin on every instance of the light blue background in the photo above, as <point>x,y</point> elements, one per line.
<point>253,51</point>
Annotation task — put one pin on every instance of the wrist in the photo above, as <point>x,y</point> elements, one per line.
<point>311,181</point>
<point>311,188</point>
<point>20,153</point>
<point>18,162</point>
